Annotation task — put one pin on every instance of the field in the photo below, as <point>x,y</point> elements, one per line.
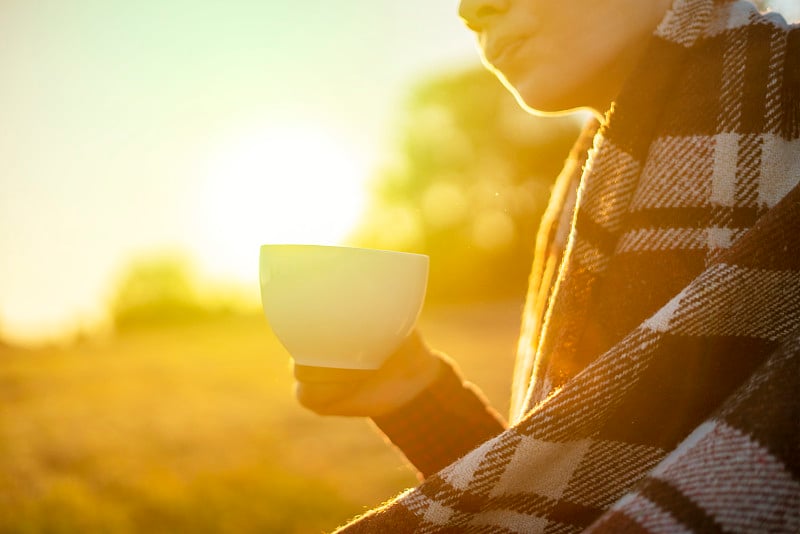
<point>193,428</point>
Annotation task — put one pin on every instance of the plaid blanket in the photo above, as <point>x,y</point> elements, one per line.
<point>658,366</point>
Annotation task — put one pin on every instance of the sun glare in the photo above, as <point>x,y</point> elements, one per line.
<point>276,184</point>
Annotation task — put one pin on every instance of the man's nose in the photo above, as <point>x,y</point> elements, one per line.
<point>477,14</point>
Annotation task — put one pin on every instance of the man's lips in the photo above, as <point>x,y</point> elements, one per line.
<point>499,51</point>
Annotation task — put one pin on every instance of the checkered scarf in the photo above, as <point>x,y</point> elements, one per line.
<point>662,350</point>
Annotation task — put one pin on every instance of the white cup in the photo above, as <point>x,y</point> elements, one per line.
<point>341,307</point>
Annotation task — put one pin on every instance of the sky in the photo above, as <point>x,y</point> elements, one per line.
<point>129,129</point>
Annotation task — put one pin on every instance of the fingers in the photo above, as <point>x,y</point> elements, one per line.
<point>321,375</point>
<point>352,392</point>
<point>329,399</point>
<point>329,391</point>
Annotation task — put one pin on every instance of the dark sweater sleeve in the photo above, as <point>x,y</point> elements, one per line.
<point>442,423</point>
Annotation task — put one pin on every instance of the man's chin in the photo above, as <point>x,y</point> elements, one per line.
<point>539,99</point>
<point>544,104</point>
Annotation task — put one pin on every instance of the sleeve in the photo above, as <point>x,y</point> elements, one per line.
<point>442,423</point>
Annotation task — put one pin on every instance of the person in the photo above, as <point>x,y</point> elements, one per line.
<point>657,360</point>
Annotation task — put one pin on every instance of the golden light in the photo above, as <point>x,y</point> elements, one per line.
<point>293,183</point>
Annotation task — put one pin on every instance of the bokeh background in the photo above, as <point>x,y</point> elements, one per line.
<point>147,150</point>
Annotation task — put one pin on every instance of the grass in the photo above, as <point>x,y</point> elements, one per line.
<point>193,428</point>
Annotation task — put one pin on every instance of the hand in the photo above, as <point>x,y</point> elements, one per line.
<point>406,373</point>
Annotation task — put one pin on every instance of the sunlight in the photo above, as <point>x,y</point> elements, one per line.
<point>291,183</point>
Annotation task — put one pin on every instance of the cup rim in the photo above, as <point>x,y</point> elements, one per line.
<point>341,247</point>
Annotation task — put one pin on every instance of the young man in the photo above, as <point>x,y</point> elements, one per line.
<point>657,362</point>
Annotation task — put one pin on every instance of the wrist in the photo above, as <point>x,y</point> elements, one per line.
<point>421,369</point>
<point>443,422</point>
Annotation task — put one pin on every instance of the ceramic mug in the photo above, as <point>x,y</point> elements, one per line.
<point>342,307</point>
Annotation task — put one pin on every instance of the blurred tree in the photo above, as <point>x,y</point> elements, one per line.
<point>468,184</point>
<point>156,290</point>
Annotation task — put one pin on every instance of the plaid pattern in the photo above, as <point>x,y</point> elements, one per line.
<point>731,473</point>
<point>680,282</point>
